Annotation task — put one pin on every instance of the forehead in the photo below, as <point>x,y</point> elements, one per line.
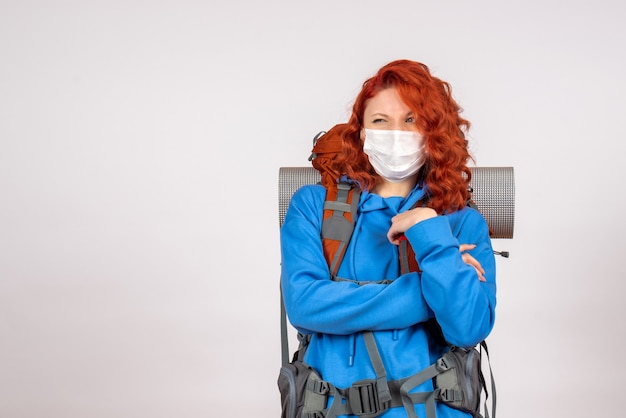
<point>387,102</point>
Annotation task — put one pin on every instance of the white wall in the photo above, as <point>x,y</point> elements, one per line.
<point>140,143</point>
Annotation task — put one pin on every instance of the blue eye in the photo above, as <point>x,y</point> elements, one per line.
<point>410,119</point>
<point>378,120</point>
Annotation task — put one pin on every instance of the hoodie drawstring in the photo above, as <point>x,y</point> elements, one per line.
<point>352,349</point>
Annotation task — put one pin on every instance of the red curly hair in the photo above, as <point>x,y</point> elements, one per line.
<point>437,115</point>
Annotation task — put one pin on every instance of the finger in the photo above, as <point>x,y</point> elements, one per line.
<point>479,272</point>
<point>395,232</point>
<point>393,237</point>
<point>466,247</point>
<point>468,259</point>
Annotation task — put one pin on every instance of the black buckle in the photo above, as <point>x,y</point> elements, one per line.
<point>450,395</point>
<point>320,387</point>
<point>363,399</point>
<point>442,364</point>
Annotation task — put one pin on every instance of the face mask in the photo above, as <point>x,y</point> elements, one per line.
<point>395,155</point>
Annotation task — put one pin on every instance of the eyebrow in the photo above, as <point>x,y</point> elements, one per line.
<point>386,116</point>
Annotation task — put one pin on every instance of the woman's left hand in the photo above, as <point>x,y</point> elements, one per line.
<point>472,261</point>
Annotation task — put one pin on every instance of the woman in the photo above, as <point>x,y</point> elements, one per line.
<point>404,147</point>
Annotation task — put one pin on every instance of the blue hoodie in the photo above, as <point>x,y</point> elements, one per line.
<point>334,312</point>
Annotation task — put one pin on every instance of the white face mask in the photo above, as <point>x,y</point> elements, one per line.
<point>395,155</point>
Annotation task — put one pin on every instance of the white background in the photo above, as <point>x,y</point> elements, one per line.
<point>140,143</point>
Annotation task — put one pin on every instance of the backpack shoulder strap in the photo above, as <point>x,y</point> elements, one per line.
<point>342,197</point>
<point>408,262</point>
<point>340,212</point>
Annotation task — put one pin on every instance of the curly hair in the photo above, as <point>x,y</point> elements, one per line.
<point>445,173</point>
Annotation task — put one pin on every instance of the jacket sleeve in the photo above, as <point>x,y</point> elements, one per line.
<point>463,306</point>
<point>315,303</point>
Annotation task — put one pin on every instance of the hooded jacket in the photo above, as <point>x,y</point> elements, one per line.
<point>335,312</point>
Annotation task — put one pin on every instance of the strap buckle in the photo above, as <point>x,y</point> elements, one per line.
<point>363,399</point>
<point>321,387</point>
<point>449,395</point>
<point>442,364</point>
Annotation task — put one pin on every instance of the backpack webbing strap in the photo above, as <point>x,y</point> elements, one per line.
<point>483,345</point>
<point>369,398</point>
<point>303,340</point>
<point>339,217</point>
<point>408,262</point>
<point>384,395</point>
<point>427,398</point>
<point>406,255</point>
<point>284,342</point>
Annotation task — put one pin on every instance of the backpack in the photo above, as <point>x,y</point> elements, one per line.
<point>456,371</point>
<point>342,198</point>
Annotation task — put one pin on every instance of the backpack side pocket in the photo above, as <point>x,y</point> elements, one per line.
<point>461,384</point>
<point>296,395</point>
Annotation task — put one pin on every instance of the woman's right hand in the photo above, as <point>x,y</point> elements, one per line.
<point>403,221</point>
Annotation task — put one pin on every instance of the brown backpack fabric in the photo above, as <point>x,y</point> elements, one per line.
<point>342,198</point>
<point>326,146</point>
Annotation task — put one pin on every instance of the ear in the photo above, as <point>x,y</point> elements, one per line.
<point>362,134</point>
